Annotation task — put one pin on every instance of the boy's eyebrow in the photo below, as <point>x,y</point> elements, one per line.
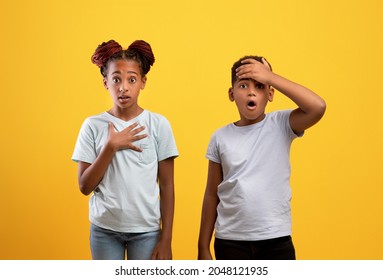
<point>243,79</point>
<point>248,79</point>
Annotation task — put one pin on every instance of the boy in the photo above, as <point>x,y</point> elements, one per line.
<point>247,197</point>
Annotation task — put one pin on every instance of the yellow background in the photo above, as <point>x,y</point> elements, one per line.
<point>48,87</point>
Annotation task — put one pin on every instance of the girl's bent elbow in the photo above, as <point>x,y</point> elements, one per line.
<point>85,190</point>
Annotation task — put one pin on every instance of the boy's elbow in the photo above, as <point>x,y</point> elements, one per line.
<point>321,108</point>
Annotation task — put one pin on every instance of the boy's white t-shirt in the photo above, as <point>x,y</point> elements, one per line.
<point>255,194</point>
<point>127,198</point>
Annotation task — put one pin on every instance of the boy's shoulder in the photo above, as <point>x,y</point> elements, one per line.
<point>279,118</point>
<point>279,113</point>
<point>224,128</point>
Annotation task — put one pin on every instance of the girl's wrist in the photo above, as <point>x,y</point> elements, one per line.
<point>110,147</point>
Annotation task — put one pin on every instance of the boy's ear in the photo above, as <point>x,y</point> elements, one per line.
<point>271,94</point>
<point>231,94</point>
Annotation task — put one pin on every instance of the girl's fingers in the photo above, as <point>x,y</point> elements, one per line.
<point>111,127</point>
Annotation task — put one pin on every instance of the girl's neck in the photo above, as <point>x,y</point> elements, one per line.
<point>125,114</point>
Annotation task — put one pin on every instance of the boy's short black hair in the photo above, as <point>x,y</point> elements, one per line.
<point>239,63</point>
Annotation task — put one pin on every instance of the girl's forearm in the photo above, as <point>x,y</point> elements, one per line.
<point>166,183</point>
<point>167,213</point>
<point>91,175</point>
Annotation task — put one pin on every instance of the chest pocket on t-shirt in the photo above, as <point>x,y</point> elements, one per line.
<point>148,154</point>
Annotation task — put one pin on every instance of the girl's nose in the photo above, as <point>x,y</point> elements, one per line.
<point>123,87</point>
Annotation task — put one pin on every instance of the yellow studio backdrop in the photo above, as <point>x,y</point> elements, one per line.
<point>49,86</point>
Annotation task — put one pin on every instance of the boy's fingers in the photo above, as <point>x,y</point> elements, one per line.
<point>264,61</point>
<point>248,60</point>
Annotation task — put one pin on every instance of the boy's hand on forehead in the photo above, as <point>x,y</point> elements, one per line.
<point>255,70</point>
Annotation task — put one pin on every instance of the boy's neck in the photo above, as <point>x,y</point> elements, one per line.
<point>245,122</point>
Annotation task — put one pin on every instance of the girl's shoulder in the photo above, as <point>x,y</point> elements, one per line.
<point>154,117</point>
<point>99,116</point>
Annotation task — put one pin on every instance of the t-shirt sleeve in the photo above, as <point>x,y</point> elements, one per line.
<point>85,146</point>
<point>212,150</point>
<point>166,142</point>
<point>284,120</point>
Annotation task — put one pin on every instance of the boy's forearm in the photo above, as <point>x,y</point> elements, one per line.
<point>209,216</point>
<point>306,100</point>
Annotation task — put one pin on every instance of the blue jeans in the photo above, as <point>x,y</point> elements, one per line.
<point>281,248</point>
<point>111,245</point>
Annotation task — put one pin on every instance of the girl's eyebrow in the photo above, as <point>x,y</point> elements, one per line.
<point>129,72</point>
<point>132,72</point>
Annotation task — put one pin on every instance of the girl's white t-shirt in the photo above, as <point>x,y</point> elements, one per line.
<point>127,198</point>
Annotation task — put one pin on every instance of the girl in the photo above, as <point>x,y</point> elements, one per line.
<point>126,159</point>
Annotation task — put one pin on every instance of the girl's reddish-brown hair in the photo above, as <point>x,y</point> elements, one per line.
<point>139,51</point>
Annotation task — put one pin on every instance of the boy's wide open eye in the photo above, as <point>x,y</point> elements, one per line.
<point>260,86</point>
<point>242,86</point>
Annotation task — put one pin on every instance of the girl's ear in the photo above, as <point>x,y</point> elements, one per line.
<point>105,83</point>
<point>231,94</point>
<point>144,79</point>
<point>271,94</point>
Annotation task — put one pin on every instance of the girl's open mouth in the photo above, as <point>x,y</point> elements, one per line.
<point>124,98</point>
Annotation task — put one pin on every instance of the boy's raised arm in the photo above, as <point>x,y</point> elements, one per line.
<point>311,107</point>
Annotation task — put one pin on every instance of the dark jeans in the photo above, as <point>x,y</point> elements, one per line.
<point>281,248</point>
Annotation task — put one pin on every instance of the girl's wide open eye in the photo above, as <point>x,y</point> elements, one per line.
<point>132,80</point>
<point>116,80</point>
<point>243,86</point>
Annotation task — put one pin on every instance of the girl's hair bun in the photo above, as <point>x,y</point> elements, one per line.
<point>104,51</point>
<point>144,49</point>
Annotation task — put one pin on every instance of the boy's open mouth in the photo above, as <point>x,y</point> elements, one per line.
<point>251,105</point>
